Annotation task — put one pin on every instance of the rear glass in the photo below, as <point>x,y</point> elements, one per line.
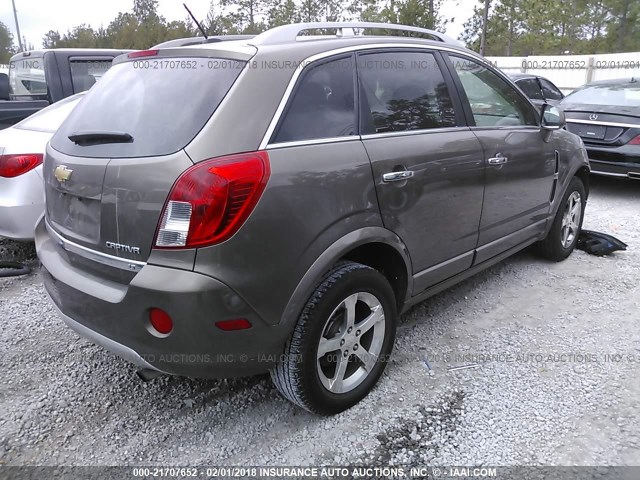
<point>623,95</point>
<point>161,103</point>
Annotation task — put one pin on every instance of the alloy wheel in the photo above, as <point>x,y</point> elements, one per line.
<point>351,342</point>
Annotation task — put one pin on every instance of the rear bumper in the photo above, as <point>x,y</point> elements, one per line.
<point>621,162</point>
<point>115,316</point>
<point>21,205</point>
<point>18,222</point>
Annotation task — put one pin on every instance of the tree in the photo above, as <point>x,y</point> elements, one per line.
<point>246,14</point>
<point>282,12</point>
<point>7,48</point>
<point>123,31</point>
<point>485,20</point>
<point>51,39</point>
<point>311,11</point>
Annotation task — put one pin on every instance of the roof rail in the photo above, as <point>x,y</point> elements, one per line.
<point>289,33</point>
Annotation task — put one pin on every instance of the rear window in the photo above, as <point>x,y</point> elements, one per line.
<point>161,103</point>
<point>624,95</point>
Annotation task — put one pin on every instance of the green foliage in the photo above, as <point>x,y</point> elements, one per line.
<point>514,27</point>
<point>7,47</point>
<point>538,27</point>
<point>140,28</point>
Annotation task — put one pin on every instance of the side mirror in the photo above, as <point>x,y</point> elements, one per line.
<point>552,117</point>
<point>4,86</point>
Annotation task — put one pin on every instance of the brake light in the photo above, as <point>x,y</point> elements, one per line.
<point>143,53</point>
<point>15,165</point>
<point>211,200</point>
<point>634,141</point>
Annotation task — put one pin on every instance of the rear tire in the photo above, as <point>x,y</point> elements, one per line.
<point>565,230</point>
<point>341,343</point>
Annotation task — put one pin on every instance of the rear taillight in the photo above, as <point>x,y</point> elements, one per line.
<point>634,141</point>
<point>211,200</point>
<point>14,165</point>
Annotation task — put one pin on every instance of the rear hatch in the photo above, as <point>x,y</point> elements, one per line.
<point>110,166</point>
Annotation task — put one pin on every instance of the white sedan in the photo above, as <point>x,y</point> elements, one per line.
<point>22,147</point>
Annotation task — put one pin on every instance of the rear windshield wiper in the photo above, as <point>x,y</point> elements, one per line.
<point>99,137</point>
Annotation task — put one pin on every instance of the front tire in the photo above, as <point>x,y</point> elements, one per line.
<point>341,343</point>
<point>565,230</point>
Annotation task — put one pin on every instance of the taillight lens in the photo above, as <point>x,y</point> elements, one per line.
<point>211,200</point>
<point>634,141</point>
<point>15,165</point>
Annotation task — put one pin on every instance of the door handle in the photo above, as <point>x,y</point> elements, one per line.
<point>499,159</point>
<point>397,176</point>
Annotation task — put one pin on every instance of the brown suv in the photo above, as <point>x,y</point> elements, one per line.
<point>272,204</point>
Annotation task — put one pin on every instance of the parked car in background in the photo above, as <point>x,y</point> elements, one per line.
<point>198,227</point>
<point>21,150</point>
<point>606,115</point>
<point>38,78</point>
<point>539,89</point>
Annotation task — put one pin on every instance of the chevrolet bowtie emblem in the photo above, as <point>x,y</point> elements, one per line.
<point>62,173</point>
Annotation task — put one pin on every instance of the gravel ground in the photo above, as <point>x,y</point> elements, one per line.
<point>551,354</point>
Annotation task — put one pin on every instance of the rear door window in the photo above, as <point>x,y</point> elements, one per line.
<point>550,91</point>
<point>322,105</point>
<point>530,88</point>
<point>161,104</point>
<point>403,91</point>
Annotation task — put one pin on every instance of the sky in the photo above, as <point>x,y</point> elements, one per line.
<point>37,17</point>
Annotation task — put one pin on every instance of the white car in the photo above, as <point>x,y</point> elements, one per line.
<point>22,147</point>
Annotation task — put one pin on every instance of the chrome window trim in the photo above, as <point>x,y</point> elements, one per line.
<point>317,141</point>
<point>602,124</point>
<point>99,257</point>
<point>534,128</point>
<point>265,143</point>
<point>421,131</point>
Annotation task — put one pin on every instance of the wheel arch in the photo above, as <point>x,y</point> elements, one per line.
<point>583,174</point>
<point>577,165</point>
<point>376,247</point>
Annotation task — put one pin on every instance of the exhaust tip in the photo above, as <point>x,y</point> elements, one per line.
<point>147,374</point>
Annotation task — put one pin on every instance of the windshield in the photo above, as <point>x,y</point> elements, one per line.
<point>623,95</point>
<point>160,103</point>
<point>50,118</point>
<point>26,77</point>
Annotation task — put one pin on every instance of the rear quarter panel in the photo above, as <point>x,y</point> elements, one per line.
<point>315,195</point>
